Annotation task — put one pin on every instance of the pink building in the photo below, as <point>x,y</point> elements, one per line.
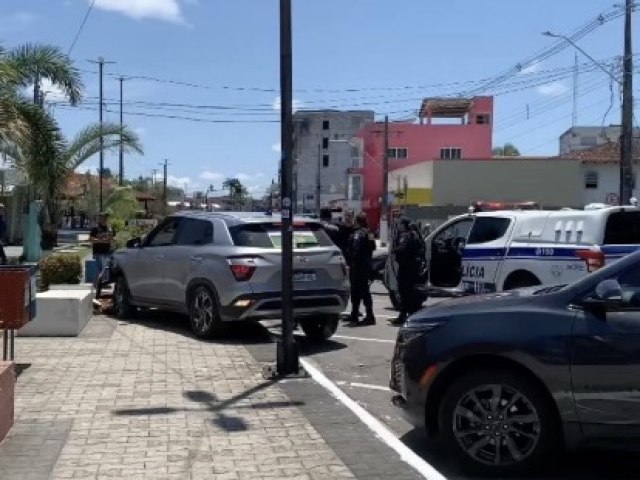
<point>448,129</point>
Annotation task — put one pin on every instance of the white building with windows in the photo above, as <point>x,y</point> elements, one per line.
<point>324,151</point>
<point>583,138</point>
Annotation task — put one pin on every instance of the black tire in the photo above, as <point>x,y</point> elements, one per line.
<point>320,328</point>
<point>395,300</point>
<point>204,314</point>
<point>122,307</point>
<point>521,280</point>
<point>477,423</point>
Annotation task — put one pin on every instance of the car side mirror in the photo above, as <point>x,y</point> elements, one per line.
<point>135,242</point>
<point>607,296</point>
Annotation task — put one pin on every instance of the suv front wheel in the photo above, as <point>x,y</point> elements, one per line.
<point>320,328</point>
<point>204,316</point>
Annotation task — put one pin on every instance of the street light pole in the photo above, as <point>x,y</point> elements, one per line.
<point>288,357</point>
<point>626,137</point>
<point>318,181</point>
<point>626,140</point>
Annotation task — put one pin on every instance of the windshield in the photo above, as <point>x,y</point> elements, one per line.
<point>268,235</point>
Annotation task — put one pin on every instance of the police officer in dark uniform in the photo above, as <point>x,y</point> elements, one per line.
<point>409,253</point>
<point>361,247</point>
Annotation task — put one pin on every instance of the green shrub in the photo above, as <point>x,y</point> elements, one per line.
<point>117,224</point>
<point>61,268</point>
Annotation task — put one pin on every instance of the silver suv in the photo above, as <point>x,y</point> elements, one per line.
<point>220,267</point>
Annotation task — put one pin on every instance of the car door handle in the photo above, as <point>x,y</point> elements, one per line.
<point>196,258</point>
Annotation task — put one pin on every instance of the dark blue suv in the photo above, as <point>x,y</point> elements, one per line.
<point>504,380</point>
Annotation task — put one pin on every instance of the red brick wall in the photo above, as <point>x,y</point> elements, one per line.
<point>7,396</point>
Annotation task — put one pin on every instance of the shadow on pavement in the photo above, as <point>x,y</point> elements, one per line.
<point>588,464</point>
<point>208,402</point>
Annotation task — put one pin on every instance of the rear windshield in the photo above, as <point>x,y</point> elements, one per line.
<point>623,228</point>
<point>267,235</point>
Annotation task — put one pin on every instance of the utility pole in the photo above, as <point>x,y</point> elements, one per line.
<point>288,356</point>
<point>384,214</point>
<point>576,73</point>
<point>165,165</point>
<point>626,140</point>
<point>318,181</point>
<point>121,150</point>
<point>153,177</point>
<point>101,62</point>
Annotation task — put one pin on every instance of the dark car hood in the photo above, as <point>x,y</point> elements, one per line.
<point>474,304</point>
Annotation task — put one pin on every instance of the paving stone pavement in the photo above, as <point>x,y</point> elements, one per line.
<point>128,401</point>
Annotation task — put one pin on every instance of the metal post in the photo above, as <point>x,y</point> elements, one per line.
<point>287,349</point>
<point>626,140</point>
<point>101,173</point>
<point>384,214</point>
<point>121,149</point>
<point>318,181</point>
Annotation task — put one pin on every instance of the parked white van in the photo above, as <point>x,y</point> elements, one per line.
<point>503,250</point>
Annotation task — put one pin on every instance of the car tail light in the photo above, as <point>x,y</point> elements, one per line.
<point>242,272</point>
<point>594,258</point>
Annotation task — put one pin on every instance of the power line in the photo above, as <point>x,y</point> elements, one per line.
<point>84,21</point>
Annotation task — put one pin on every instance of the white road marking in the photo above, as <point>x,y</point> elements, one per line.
<point>383,433</point>
<point>365,339</point>
<point>368,386</point>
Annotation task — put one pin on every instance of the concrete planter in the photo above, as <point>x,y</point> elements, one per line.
<point>60,313</point>
<point>7,397</point>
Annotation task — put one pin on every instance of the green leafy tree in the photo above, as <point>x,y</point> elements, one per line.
<point>507,150</point>
<point>238,193</point>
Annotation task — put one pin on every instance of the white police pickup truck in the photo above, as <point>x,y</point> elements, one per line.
<point>503,250</point>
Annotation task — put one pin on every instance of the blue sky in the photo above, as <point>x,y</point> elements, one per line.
<point>348,53</point>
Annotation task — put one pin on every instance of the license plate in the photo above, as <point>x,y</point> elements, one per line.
<point>304,277</point>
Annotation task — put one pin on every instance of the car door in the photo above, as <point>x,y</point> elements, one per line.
<point>606,364</point>
<point>145,275</point>
<point>445,252</point>
<point>185,257</point>
<point>484,253</point>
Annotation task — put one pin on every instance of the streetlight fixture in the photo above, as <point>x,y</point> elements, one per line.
<point>581,50</point>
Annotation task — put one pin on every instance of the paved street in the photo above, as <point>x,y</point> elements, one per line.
<point>143,399</point>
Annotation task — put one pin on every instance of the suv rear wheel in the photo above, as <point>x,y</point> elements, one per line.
<point>320,328</point>
<point>498,423</point>
<point>204,316</point>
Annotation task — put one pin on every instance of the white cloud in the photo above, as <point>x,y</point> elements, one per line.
<point>553,89</point>
<point>277,147</point>
<point>167,10</point>
<point>277,104</point>
<point>51,92</point>
<point>140,131</point>
<point>533,68</point>
<point>247,178</point>
<point>178,182</point>
<point>211,176</point>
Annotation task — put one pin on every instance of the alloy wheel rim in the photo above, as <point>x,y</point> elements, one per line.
<point>203,311</point>
<point>496,425</point>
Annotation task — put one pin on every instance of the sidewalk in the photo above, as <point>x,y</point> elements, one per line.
<point>126,400</point>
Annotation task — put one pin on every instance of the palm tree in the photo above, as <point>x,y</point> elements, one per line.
<point>48,158</point>
<point>237,192</point>
<point>507,150</point>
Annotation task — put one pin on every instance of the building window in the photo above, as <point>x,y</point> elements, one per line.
<point>355,188</point>
<point>450,153</point>
<point>591,180</point>
<point>483,119</point>
<point>325,161</point>
<point>325,143</point>
<point>310,197</point>
<point>325,125</point>
<point>398,153</point>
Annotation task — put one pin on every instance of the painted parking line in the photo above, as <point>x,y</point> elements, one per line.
<point>364,339</point>
<point>366,386</point>
<point>378,428</point>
